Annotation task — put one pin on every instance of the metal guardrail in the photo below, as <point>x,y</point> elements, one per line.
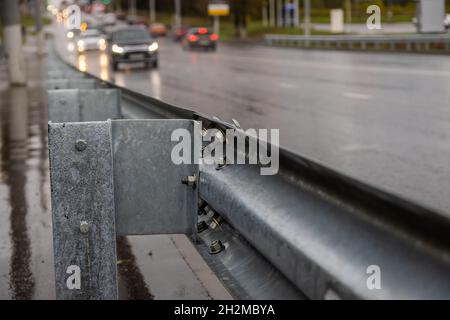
<point>309,231</point>
<point>408,43</point>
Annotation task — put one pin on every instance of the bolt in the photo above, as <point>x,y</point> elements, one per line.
<point>216,246</point>
<point>80,145</point>
<point>84,227</point>
<point>190,180</point>
<point>202,226</point>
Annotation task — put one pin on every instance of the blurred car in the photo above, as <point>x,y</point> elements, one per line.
<point>132,44</point>
<point>136,21</point>
<point>447,21</point>
<point>200,38</point>
<point>180,32</point>
<point>109,19</point>
<point>121,15</point>
<point>91,39</point>
<point>158,30</point>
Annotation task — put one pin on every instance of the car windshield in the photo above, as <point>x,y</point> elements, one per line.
<point>90,34</point>
<point>131,35</point>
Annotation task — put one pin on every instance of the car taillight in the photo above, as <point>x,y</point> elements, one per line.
<point>214,37</point>
<point>202,30</point>
<point>193,38</point>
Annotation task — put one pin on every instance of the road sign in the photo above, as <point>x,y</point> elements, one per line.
<point>218,9</point>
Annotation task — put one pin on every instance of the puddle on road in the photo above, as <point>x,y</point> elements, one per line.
<point>14,167</point>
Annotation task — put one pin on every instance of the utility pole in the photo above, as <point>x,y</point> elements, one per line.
<point>272,12</point>
<point>264,14</point>
<point>39,34</point>
<point>177,13</point>
<point>280,13</point>
<point>296,16</point>
<point>152,9</point>
<point>132,7</point>
<point>307,18</point>
<point>12,32</point>
<point>348,9</point>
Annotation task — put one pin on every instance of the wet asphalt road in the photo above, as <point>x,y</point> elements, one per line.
<point>382,118</point>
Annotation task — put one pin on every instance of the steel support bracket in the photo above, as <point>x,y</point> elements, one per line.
<point>108,178</point>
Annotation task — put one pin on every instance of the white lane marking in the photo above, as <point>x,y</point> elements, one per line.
<point>355,95</point>
<point>287,85</point>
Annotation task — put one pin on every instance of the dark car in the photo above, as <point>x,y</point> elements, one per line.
<point>180,32</point>
<point>132,44</point>
<point>200,38</point>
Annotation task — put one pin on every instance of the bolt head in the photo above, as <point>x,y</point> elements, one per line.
<point>216,246</point>
<point>80,145</point>
<point>84,227</point>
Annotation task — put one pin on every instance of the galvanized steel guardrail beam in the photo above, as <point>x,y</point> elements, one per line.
<point>438,43</point>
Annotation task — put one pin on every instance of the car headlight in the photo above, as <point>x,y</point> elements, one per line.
<point>80,45</point>
<point>70,35</point>
<point>116,49</point>
<point>101,42</point>
<point>153,47</point>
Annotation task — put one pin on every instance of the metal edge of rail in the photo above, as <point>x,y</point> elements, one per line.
<point>322,229</point>
<point>424,43</point>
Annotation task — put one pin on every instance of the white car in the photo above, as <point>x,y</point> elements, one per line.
<point>109,19</point>
<point>91,39</point>
<point>447,21</point>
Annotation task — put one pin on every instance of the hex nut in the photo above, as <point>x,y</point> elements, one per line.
<point>216,246</point>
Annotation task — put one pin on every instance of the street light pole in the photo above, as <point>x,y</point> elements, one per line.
<point>177,13</point>
<point>132,7</point>
<point>151,6</point>
<point>348,7</point>
<point>264,13</point>
<point>307,18</point>
<point>39,35</point>
<point>280,13</point>
<point>12,32</point>
<point>296,17</point>
<point>272,12</point>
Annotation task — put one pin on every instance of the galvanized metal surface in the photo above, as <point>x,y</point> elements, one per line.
<point>73,83</point>
<point>149,194</point>
<point>408,43</point>
<point>81,167</point>
<point>246,273</point>
<point>100,104</point>
<point>64,106</point>
<point>324,243</point>
<point>74,105</point>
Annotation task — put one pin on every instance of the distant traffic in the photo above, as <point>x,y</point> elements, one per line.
<point>130,39</point>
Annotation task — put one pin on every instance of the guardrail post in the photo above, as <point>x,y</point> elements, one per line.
<point>116,177</point>
<point>84,234</point>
